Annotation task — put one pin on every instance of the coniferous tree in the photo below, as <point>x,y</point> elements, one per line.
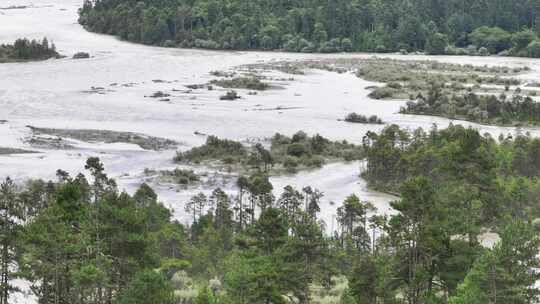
<point>11,218</point>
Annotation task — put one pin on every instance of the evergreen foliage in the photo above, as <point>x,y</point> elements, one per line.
<point>317,26</point>
<point>26,50</point>
<point>79,240</point>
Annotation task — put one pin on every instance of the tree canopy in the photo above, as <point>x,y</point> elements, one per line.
<point>319,26</point>
<point>80,240</point>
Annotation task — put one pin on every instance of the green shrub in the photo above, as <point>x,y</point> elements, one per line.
<point>394,85</point>
<point>314,161</point>
<point>436,44</point>
<point>346,45</point>
<point>183,177</point>
<point>533,49</point>
<point>169,43</point>
<point>296,149</point>
<point>331,46</point>
<point>250,83</point>
<point>290,164</point>
<point>483,51</point>
<point>382,93</point>
<point>206,44</point>
<point>380,48</point>
<point>299,136</point>
<point>522,39</point>
<point>214,148</point>
<point>359,118</point>
<point>494,39</point>
<point>205,296</point>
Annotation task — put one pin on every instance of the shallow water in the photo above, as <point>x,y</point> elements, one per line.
<point>51,94</point>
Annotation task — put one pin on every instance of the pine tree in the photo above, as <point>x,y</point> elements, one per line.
<point>11,218</point>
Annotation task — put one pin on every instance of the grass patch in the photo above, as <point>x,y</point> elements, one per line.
<point>250,83</point>
<point>144,141</point>
<point>408,78</point>
<point>475,93</point>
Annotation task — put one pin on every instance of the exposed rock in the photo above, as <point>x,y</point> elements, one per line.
<point>230,95</point>
<point>81,55</point>
<point>97,90</point>
<point>195,86</point>
<point>159,94</point>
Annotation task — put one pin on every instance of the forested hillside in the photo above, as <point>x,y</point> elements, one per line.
<point>436,26</point>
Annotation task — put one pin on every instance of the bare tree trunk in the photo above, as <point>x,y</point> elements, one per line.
<point>5,269</point>
<point>493,285</point>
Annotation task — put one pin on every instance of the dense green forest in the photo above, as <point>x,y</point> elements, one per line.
<point>79,240</point>
<point>435,26</point>
<point>497,178</point>
<point>26,50</point>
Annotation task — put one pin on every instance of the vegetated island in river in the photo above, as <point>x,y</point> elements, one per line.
<point>243,82</point>
<point>406,78</point>
<point>231,159</point>
<point>363,119</point>
<point>515,109</point>
<point>27,50</point>
<point>464,28</point>
<point>482,94</point>
<point>286,154</point>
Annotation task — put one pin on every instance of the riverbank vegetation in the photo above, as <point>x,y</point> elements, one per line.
<point>284,154</point>
<point>183,177</point>
<point>27,50</point>
<point>455,27</point>
<point>359,118</point>
<point>250,83</point>
<point>405,79</point>
<point>79,240</point>
<point>512,109</point>
<point>483,94</point>
<point>466,166</point>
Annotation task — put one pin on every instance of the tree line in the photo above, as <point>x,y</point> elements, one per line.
<point>454,27</point>
<point>79,240</point>
<point>472,166</point>
<point>508,108</point>
<point>25,49</point>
